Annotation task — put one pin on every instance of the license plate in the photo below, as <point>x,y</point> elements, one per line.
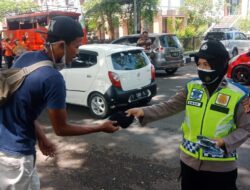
<point>175,54</point>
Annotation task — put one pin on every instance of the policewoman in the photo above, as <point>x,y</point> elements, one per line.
<point>217,122</point>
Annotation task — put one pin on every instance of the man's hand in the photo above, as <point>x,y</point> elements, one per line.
<point>136,112</point>
<point>109,126</point>
<point>47,147</point>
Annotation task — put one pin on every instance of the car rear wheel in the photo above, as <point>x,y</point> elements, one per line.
<point>98,106</point>
<point>171,71</point>
<point>241,74</point>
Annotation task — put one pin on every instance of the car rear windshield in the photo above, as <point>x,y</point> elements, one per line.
<point>130,60</point>
<point>170,41</point>
<point>132,41</point>
<point>215,36</point>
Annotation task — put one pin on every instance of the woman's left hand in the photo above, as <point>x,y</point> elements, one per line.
<point>219,142</point>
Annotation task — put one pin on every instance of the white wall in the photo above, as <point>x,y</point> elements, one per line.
<point>244,9</point>
<point>219,13</point>
<point>166,5</point>
<point>171,3</point>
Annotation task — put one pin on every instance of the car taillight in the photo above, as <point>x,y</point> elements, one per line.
<point>115,80</point>
<point>160,49</point>
<point>152,72</point>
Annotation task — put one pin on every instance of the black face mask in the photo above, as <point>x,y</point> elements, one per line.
<point>208,77</point>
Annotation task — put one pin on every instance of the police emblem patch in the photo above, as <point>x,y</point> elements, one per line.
<point>222,99</point>
<point>196,94</point>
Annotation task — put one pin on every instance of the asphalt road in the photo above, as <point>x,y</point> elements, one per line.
<point>138,158</point>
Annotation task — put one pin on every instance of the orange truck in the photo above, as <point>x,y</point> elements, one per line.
<point>28,25</point>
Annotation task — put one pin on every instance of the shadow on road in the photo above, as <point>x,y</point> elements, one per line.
<point>106,169</point>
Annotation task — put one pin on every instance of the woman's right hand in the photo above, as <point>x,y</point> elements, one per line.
<point>136,112</point>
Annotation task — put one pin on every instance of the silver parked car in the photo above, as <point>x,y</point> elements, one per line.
<point>234,41</point>
<point>166,50</point>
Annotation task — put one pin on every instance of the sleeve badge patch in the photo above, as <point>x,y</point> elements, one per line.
<point>222,99</point>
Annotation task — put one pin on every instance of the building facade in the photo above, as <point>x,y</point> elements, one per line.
<point>168,12</point>
<point>232,11</point>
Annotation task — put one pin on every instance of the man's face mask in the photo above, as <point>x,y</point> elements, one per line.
<point>208,76</point>
<point>62,63</point>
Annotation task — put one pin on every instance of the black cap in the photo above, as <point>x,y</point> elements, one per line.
<point>64,28</point>
<point>216,55</point>
<point>212,50</point>
<point>122,119</point>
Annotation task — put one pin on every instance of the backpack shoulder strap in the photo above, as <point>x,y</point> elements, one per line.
<point>37,65</point>
<point>27,70</point>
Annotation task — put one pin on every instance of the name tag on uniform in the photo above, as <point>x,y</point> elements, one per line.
<point>219,108</point>
<point>194,103</point>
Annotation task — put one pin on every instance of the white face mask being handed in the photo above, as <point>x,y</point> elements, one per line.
<point>208,76</point>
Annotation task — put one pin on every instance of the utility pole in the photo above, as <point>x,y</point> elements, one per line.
<point>135,17</point>
<point>247,7</point>
<point>138,8</point>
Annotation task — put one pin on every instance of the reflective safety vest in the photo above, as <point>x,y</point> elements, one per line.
<point>210,117</point>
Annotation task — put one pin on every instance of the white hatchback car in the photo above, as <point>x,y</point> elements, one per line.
<point>106,76</point>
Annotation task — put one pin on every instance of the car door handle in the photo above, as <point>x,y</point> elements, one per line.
<point>89,76</point>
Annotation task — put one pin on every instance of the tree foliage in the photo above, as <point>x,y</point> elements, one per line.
<point>243,24</point>
<point>198,12</point>
<point>148,9</point>
<point>8,7</point>
<point>99,12</point>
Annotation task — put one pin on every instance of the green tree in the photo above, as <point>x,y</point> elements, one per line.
<point>201,13</point>
<point>146,9</point>
<point>100,11</point>
<point>243,24</point>
<point>198,12</point>
<point>8,7</point>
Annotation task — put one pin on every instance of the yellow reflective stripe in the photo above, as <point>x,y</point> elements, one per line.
<point>187,152</point>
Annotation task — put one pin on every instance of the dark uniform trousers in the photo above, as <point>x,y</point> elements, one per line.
<point>204,180</point>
